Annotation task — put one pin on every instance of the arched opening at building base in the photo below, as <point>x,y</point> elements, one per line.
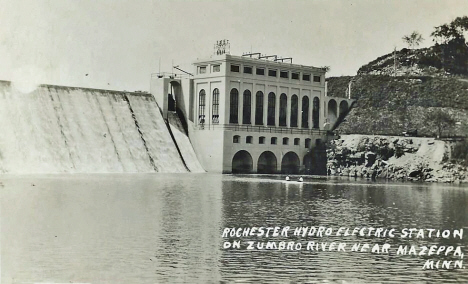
<point>290,163</point>
<point>242,163</point>
<point>266,163</point>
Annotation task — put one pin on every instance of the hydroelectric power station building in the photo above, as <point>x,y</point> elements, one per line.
<point>253,113</point>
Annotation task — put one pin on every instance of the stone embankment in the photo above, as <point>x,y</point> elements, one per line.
<point>394,157</point>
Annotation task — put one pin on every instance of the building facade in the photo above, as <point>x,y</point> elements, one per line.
<point>253,115</point>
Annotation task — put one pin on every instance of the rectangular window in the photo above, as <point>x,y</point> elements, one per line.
<point>295,76</point>
<point>202,70</point>
<point>247,70</point>
<point>284,74</point>
<point>317,79</point>
<point>249,139</point>
<point>272,72</point>
<point>261,140</point>
<point>216,68</point>
<point>273,140</point>
<point>235,68</point>
<point>296,141</point>
<point>260,71</point>
<point>306,77</point>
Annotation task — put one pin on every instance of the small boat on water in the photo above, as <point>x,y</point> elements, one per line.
<point>289,179</point>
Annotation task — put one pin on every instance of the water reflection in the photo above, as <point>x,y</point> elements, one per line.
<point>167,228</point>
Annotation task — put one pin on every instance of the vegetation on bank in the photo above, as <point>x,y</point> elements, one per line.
<point>387,105</point>
<point>460,152</point>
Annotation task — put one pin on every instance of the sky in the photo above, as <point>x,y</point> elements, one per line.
<point>118,44</point>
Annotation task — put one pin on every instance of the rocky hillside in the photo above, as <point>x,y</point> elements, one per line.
<point>397,158</point>
<point>408,93</point>
<point>392,105</point>
<point>423,91</point>
<point>438,60</point>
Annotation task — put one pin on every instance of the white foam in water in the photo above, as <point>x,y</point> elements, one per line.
<point>59,129</point>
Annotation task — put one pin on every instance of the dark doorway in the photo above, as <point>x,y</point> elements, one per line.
<point>266,163</point>
<point>290,163</point>
<point>242,163</point>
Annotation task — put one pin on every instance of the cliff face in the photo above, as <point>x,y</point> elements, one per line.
<point>56,129</point>
<point>401,158</point>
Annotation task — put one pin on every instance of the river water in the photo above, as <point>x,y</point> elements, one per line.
<point>167,228</point>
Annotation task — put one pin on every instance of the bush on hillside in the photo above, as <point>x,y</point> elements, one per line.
<point>460,152</point>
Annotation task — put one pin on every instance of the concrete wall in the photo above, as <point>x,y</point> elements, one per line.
<point>208,146</point>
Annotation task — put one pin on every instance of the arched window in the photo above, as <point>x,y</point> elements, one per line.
<point>236,139</point>
<point>285,141</point>
<point>305,112</point>
<point>316,113</point>
<point>247,108</point>
<point>234,106</point>
<point>294,109</point>
<point>201,106</point>
<point>271,109</point>
<point>297,141</point>
<point>259,108</point>
<point>282,110</point>
<point>215,110</point>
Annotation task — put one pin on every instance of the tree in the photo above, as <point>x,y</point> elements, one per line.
<point>440,119</point>
<point>413,40</point>
<point>452,46</point>
<point>448,32</point>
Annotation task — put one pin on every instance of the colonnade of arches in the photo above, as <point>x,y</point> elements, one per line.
<point>287,111</point>
<point>293,112</point>
<point>333,112</point>
<point>267,163</point>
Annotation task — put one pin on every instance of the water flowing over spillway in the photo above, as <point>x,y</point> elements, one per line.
<point>56,129</point>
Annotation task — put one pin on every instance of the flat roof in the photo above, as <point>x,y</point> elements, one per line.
<point>256,61</point>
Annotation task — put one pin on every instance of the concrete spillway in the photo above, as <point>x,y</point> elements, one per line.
<point>183,142</point>
<point>57,129</point>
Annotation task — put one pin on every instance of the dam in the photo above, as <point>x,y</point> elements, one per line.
<point>55,129</point>
<point>237,114</point>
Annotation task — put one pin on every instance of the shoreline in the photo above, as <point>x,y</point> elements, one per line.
<point>394,158</point>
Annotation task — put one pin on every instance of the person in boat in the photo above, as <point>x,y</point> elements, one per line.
<point>287,178</point>
<point>301,179</point>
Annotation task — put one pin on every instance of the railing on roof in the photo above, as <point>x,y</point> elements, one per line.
<point>170,75</point>
<point>264,129</point>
